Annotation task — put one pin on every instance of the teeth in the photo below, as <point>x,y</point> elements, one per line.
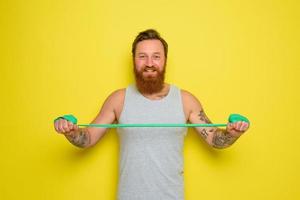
<point>149,70</point>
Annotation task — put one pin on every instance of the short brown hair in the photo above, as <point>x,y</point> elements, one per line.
<point>149,34</point>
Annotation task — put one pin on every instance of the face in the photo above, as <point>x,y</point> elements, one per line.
<point>149,66</point>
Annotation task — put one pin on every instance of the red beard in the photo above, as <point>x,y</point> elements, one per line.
<point>149,85</point>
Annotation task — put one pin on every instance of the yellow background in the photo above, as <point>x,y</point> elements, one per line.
<point>62,56</point>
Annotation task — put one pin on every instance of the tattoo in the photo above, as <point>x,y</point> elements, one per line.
<point>79,138</point>
<point>204,133</point>
<point>222,139</point>
<point>203,117</point>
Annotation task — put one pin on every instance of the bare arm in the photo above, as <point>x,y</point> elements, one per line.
<point>86,137</point>
<point>215,137</point>
<point>79,137</point>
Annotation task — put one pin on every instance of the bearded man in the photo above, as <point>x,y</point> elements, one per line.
<point>151,160</point>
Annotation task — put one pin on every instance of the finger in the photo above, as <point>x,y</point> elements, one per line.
<point>230,126</point>
<point>61,126</point>
<point>244,126</point>
<point>235,125</point>
<point>239,125</point>
<point>66,126</point>
<point>70,125</point>
<point>56,126</point>
<point>75,127</point>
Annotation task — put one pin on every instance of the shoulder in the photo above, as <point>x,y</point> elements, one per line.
<point>189,100</point>
<point>114,102</point>
<point>117,95</point>
<point>187,96</point>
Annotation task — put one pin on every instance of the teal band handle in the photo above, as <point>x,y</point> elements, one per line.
<point>70,118</point>
<point>237,117</point>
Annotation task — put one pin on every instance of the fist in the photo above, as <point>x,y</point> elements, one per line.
<point>237,128</point>
<point>64,127</point>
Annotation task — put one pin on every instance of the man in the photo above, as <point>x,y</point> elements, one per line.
<point>151,162</point>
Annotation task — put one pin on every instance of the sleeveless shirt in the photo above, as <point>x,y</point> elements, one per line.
<point>151,159</point>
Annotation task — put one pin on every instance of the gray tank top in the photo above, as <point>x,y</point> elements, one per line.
<point>151,159</point>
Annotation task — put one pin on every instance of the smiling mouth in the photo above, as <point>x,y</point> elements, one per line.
<point>150,73</point>
<point>149,70</point>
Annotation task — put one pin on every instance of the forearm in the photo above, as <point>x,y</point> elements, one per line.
<point>80,138</point>
<point>221,138</point>
<point>215,137</point>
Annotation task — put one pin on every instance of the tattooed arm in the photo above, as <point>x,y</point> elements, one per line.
<point>80,137</point>
<point>86,137</point>
<point>215,137</point>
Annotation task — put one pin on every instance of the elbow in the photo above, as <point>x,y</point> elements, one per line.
<point>81,146</point>
<point>220,146</point>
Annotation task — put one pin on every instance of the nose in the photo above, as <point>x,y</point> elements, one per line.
<point>149,62</point>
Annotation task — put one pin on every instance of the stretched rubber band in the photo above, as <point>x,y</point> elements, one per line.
<point>232,119</point>
<point>149,125</point>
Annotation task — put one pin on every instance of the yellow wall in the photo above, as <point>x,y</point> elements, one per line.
<point>63,56</point>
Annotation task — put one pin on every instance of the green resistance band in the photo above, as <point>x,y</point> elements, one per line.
<point>232,118</point>
<point>148,125</point>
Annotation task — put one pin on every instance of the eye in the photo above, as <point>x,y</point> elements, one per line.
<point>141,56</point>
<point>156,57</point>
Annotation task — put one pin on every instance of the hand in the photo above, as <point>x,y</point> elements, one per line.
<point>65,127</point>
<point>237,128</point>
